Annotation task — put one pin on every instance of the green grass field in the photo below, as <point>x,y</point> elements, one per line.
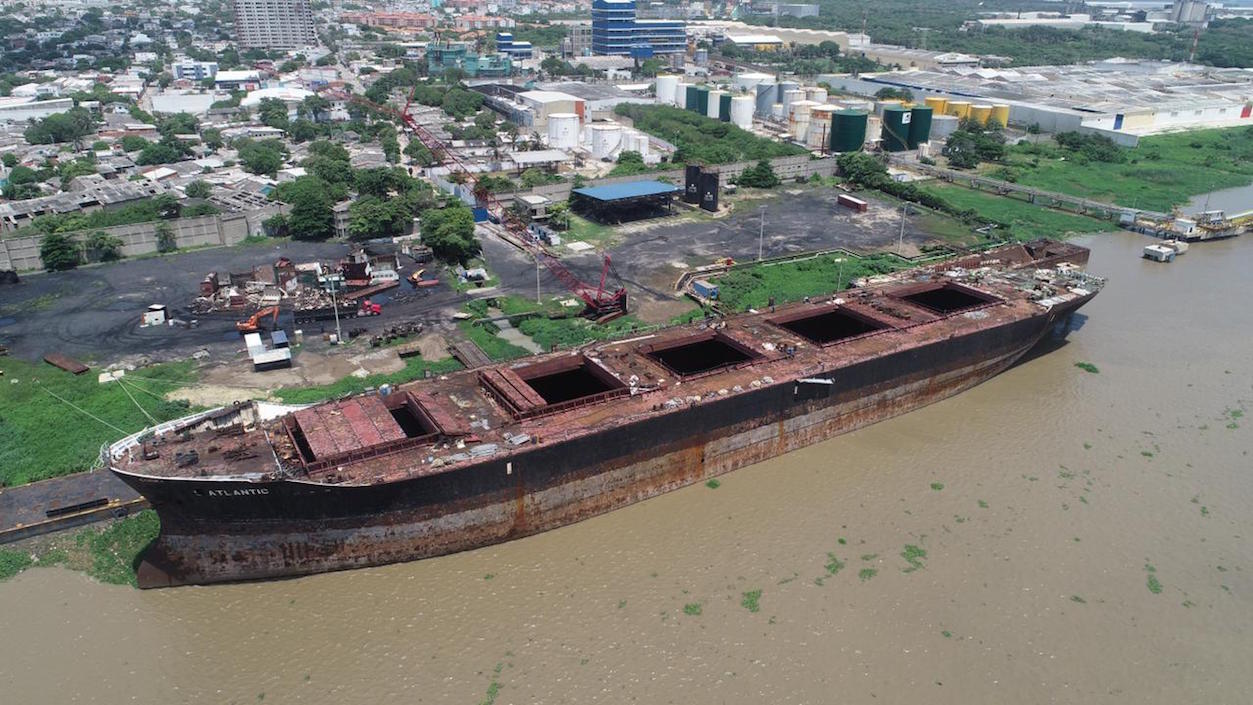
<point>415,368</point>
<point>1164,170</point>
<point>42,436</point>
<point>106,552</point>
<point>752,287</point>
<point>1026,221</point>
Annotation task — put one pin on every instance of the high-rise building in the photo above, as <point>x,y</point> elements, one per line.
<point>617,32</point>
<point>274,24</point>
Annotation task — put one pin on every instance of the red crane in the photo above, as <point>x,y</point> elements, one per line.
<point>599,303</point>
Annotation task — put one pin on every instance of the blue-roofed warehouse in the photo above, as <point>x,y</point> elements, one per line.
<point>617,203</point>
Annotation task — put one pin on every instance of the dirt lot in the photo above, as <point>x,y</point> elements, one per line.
<point>650,255</point>
<point>94,312</point>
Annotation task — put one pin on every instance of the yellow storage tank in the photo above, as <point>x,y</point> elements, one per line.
<point>1000,113</point>
<point>980,113</point>
<point>959,108</point>
<point>937,104</point>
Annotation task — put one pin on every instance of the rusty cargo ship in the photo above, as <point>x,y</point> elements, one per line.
<point>481,456</point>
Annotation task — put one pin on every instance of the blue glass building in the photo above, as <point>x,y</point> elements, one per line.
<point>616,31</point>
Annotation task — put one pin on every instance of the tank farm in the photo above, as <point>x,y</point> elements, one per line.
<point>481,456</point>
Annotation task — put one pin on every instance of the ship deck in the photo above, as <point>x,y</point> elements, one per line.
<point>436,425</point>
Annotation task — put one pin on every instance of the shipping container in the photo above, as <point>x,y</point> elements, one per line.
<point>852,202</point>
<point>705,289</point>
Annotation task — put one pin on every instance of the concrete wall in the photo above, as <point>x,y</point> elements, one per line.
<point>22,253</point>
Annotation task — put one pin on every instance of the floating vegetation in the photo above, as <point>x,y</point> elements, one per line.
<point>1080,600</point>
<point>913,555</point>
<point>1154,585</point>
<point>692,609</point>
<point>937,486</point>
<point>947,634</point>
<point>751,600</point>
<point>834,565</point>
<point>983,504</point>
<point>1087,367</point>
<point>866,573</point>
<point>713,484</point>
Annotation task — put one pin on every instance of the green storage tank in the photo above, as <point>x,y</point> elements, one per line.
<point>919,126</point>
<point>896,121</point>
<point>702,100</point>
<point>690,103</point>
<point>848,131</point>
<point>724,107</point>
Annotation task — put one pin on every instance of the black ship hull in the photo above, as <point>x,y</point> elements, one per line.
<point>214,530</point>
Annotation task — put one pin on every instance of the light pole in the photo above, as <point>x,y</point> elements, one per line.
<point>900,239</point>
<point>537,298</point>
<point>761,232</point>
<point>335,305</point>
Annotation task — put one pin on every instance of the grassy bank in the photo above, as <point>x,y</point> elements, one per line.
<point>1025,220</point>
<point>42,436</point>
<point>564,329</point>
<point>106,552</point>
<point>415,368</point>
<point>1163,171</point>
<point>752,287</point>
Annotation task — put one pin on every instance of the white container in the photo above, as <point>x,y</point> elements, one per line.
<point>563,130</point>
<point>776,111</point>
<point>792,96</point>
<point>748,79</point>
<point>742,111</point>
<point>715,100</point>
<point>680,94</point>
<point>666,85</point>
<point>605,140</point>
<point>816,94</point>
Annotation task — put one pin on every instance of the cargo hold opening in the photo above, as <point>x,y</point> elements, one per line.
<point>948,298</point>
<point>568,379</point>
<point>828,326</point>
<point>699,354</point>
<point>409,416</point>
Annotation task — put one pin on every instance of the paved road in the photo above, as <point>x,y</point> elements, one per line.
<point>26,506</point>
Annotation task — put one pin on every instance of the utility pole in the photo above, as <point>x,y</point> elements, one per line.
<point>537,298</point>
<point>900,239</point>
<point>339,338</point>
<point>761,233</point>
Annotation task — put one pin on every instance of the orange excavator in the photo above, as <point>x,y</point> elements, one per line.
<point>253,324</point>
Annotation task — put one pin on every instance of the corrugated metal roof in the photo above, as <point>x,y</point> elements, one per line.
<point>634,189</point>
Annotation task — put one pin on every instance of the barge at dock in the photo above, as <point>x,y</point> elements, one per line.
<point>482,456</point>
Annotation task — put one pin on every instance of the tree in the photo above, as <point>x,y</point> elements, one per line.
<point>99,146</point>
<point>890,93</point>
<point>537,177</point>
<point>311,217</point>
<point>167,206</point>
<point>376,182</point>
<point>23,183</point>
<point>166,242</point>
<point>419,153</point>
<point>559,215</point>
<point>273,112</point>
<point>58,252</point>
<point>68,126</point>
<point>167,151</point>
<point>134,143</point>
<point>264,157</point>
<point>276,225</point>
<point>861,168</point>
<point>103,247</point>
<point>449,232</point>
<point>759,176</point>
<point>485,120</point>
<point>314,107</point>
<point>371,217</point>
<point>10,159</point>
<point>198,189</point>
<point>178,124</point>
<point>302,131</point>
<point>212,138</point>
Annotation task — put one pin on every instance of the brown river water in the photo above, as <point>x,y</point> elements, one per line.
<point>1045,500</point>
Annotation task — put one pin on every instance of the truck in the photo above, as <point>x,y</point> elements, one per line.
<point>327,313</point>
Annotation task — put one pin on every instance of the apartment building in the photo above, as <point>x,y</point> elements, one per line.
<point>274,24</point>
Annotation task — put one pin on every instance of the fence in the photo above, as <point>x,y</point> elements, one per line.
<point>22,253</point>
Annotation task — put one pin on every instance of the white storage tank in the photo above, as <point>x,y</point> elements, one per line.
<point>874,129</point>
<point>715,100</point>
<point>776,111</point>
<point>799,106</point>
<point>680,94</point>
<point>748,79</point>
<point>792,96</point>
<point>798,125</point>
<point>943,125</point>
<point>563,130</point>
<point>605,140</point>
<point>820,126</point>
<point>816,94</point>
<point>742,111</point>
<point>666,85</point>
